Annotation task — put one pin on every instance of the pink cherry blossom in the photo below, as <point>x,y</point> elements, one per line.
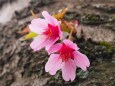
<point>48,30</point>
<point>76,24</point>
<point>67,58</point>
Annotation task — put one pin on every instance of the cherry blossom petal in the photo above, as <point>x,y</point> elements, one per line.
<point>40,22</point>
<point>54,48</point>
<point>76,23</point>
<point>60,33</point>
<point>53,64</point>
<point>81,60</point>
<point>38,43</point>
<point>71,44</point>
<point>69,70</point>
<point>50,42</point>
<point>51,20</point>
<point>38,25</point>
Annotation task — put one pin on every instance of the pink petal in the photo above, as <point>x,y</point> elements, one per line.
<point>60,33</point>
<point>50,42</point>
<point>76,23</point>
<point>40,22</point>
<point>54,48</point>
<point>38,25</point>
<point>38,43</point>
<point>81,60</point>
<point>71,44</point>
<point>51,20</point>
<point>69,70</point>
<point>53,64</point>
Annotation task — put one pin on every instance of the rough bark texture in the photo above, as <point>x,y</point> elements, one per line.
<point>20,66</point>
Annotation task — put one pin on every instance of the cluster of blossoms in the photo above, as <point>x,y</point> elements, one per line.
<point>64,56</point>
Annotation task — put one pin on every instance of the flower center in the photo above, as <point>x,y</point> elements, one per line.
<point>52,31</point>
<point>66,53</point>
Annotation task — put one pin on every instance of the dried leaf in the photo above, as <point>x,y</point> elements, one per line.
<point>61,14</point>
<point>67,26</point>
<point>25,30</point>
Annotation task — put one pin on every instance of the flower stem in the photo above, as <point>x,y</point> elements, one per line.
<point>33,14</point>
<point>70,35</point>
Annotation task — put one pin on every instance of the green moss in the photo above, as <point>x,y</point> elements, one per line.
<point>107,45</point>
